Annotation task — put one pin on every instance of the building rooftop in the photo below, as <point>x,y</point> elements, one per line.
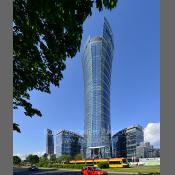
<point>68,132</point>
<point>135,126</point>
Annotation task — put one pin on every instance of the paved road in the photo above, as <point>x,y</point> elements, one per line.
<point>24,171</point>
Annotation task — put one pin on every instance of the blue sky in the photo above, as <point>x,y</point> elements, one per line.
<point>135,84</point>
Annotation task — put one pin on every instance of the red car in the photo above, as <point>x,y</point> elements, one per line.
<point>91,170</point>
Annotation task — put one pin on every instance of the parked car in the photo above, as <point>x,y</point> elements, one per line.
<point>33,168</point>
<point>92,170</point>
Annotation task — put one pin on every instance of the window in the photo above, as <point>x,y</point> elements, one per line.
<point>89,168</point>
<point>115,162</point>
<point>96,168</point>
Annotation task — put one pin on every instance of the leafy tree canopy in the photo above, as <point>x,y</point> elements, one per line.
<point>53,158</point>
<point>64,159</point>
<point>78,156</point>
<point>16,160</point>
<point>44,155</point>
<point>45,33</point>
<point>44,159</point>
<point>33,159</point>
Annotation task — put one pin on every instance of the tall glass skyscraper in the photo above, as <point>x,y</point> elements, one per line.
<point>49,143</point>
<point>97,66</point>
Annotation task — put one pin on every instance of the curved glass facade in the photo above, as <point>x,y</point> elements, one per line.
<point>97,65</point>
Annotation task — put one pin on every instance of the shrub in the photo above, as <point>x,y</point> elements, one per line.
<point>62,166</point>
<point>42,164</point>
<point>103,165</point>
<point>68,166</point>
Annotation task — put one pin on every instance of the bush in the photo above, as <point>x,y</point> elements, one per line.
<point>69,166</point>
<point>63,158</point>
<point>103,165</point>
<point>42,164</point>
<point>62,166</point>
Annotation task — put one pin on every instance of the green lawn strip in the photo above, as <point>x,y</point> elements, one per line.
<point>149,169</point>
<point>68,169</point>
<point>47,168</point>
<point>146,169</point>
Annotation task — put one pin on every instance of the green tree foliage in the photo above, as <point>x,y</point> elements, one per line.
<point>43,161</point>
<point>103,165</point>
<point>44,155</point>
<point>69,166</point>
<point>53,158</point>
<point>43,158</point>
<point>16,160</point>
<point>33,159</point>
<point>64,159</point>
<point>45,33</point>
<point>78,157</point>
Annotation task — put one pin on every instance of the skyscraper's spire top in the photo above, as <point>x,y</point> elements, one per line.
<point>107,32</point>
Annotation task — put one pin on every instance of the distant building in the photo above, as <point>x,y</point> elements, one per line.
<point>144,150</point>
<point>119,144</point>
<point>134,136</point>
<point>156,152</point>
<point>49,143</point>
<point>68,143</point>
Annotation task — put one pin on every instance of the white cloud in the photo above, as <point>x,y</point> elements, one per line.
<point>39,153</point>
<point>24,155</point>
<point>152,134</point>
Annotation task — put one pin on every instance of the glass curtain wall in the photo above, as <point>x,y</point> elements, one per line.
<point>134,136</point>
<point>97,65</point>
<point>68,143</point>
<point>49,142</point>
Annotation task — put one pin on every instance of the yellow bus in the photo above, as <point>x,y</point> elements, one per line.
<point>113,162</point>
<point>118,163</point>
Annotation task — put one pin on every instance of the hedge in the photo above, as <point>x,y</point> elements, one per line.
<point>69,166</point>
<point>64,166</point>
<point>103,165</point>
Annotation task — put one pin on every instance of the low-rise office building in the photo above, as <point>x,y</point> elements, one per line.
<point>144,150</point>
<point>134,136</point>
<point>68,143</point>
<point>119,144</point>
<point>156,152</point>
<point>124,142</point>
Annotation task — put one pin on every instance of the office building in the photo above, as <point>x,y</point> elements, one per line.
<point>134,136</point>
<point>144,150</point>
<point>97,67</point>
<point>68,143</point>
<point>49,143</point>
<point>119,144</point>
<point>156,152</point>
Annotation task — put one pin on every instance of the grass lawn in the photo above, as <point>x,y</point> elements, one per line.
<point>146,169</point>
